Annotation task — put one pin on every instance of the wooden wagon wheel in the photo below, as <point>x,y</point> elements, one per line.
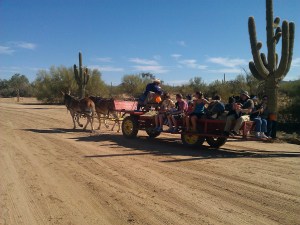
<point>192,139</point>
<point>152,132</point>
<point>130,127</point>
<point>216,142</point>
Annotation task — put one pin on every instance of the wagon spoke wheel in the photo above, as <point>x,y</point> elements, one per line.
<point>130,127</point>
<point>192,139</point>
<point>216,142</point>
<point>152,132</point>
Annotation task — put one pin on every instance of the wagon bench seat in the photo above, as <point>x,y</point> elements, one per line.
<point>210,125</point>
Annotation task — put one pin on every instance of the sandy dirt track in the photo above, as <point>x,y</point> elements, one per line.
<point>50,174</point>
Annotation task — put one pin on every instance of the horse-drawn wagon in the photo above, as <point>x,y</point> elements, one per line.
<point>209,130</point>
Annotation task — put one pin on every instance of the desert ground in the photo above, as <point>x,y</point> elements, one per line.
<point>51,174</point>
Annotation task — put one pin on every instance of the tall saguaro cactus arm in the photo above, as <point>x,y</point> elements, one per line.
<point>86,76</point>
<point>81,76</point>
<point>291,46</point>
<point>271,41</point>
<point>254,71</point>
<point>255,47</point>
<point>77,77</point>
<point>284,51</point>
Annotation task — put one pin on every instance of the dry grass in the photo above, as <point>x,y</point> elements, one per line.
<point>23,100</point>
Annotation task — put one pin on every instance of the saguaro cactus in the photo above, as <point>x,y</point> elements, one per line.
<point>81,76</point>
<point>268,68</point>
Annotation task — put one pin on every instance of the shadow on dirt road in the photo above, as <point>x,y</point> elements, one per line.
<point>172,146</point>
<point>169,146</point>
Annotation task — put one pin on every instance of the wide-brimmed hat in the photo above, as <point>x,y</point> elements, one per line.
<point>245,93</point>
<point>156,81</point>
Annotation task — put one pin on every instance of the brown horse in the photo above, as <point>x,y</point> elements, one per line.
<point>80,107</point>
<point>105,107</point>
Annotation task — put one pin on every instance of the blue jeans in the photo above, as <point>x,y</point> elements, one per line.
<point>141,101</point>
<point>260,124</point>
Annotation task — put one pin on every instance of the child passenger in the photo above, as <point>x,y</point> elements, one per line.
<point>198,111</point>
<point>173,116</point>
<point>166,106</point>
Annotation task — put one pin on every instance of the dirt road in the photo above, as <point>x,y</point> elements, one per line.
<point>50,174</point>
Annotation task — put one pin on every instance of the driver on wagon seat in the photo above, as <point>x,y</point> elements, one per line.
<point>151,87</point>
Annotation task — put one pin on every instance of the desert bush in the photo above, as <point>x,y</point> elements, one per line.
<point>17,85</point>
<point>134,85</point>
<point>96,85</point>
<point>50,84</point>
<point>289,109</point>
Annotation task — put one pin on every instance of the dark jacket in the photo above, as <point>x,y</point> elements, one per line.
<point>153,88</point>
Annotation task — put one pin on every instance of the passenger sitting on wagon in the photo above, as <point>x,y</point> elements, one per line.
<point>198,111</point>
<point>151,87</point>
<point>189,99</point>
<point>255,100</point>
<point>190,107</point>
<point>266,115</point>
<point>173,116</point>
<point>240,115</point>
<point>260,122</point>
<point>229,107</point>
<point>215,108</point>
<point>189,110</point>
<point>166,106</point>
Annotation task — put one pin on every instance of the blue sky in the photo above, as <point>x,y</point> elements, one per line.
<point>174,39</point>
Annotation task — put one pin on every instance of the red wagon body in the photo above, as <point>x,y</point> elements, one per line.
<point>210,130</point>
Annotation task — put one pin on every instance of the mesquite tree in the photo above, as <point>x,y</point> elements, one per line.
<point>81,76</point>
<point>269,69</point>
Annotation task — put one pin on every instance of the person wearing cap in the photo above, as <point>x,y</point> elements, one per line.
<point>151,87</point>
<point>242,112</point>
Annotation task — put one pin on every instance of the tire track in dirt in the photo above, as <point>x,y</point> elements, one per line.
<point>206,179</point>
